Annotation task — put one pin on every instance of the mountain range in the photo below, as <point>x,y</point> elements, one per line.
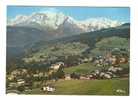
<point>55,21</point>
<point>26,30</point>
<point>23,30</point>
<point>82,45</point>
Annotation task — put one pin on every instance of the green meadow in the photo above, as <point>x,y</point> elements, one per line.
<point>88,87</point>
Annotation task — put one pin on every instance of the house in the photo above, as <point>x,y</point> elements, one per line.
<point>115,69</point>
<point>107,76</point>
<point>120,91</point>
<point>97,62</point>
<point>35,75</point>
<point>101,62</point>
<point>90,76</point>
<point>67,77</point>
<point>123,60</point>
<point>110,73</point>
<point>20,82</point>
<point>24,71</point>
<point>82,77</point>
<point>97,72</point>
<point>48,88</point>
<point>41,74</point>
<point>102,75</point>
<point>45,74</point>
<point>11,77</point>
<point>57,65</point>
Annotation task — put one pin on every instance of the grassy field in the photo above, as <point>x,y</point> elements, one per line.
<point>82,68</point>
<point>86,68</point>
<point>88,87</point>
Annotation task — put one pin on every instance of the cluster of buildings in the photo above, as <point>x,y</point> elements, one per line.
<point>18,76</point>
<point>109,60</point>
<point>97,74</point>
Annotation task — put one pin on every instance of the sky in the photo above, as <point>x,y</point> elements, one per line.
<point>78,13</point>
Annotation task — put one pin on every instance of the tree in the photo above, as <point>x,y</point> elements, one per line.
<point>75,75</point>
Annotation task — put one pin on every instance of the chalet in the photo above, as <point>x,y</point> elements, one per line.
<point>114,69</point>
<point>24,71</point>
<point>20,82</point>
<point>35,75</point>
<point>97,62</point>
<point>102,74</point>
<point>123,60</point>
<point>105,75</point>
<point>45,74</point>
<point>11,77</point>
<point>57,65</point>
<point>90,76</point>
<point>110,73</point>
<point>120,91</point>
<point>40,74</point>
<point>48,88</point>
<point>83,77</point>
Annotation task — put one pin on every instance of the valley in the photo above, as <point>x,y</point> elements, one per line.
<point>55,54</point>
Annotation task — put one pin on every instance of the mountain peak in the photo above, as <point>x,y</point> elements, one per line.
<point>55,20</point>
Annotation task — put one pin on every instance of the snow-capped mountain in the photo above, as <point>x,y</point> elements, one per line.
<point>59,21</point>
<point>25,30</point>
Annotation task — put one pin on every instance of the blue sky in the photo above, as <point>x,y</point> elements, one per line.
<point>78,13</point>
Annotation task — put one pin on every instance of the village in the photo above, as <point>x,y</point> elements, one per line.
<point>24,79</point>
